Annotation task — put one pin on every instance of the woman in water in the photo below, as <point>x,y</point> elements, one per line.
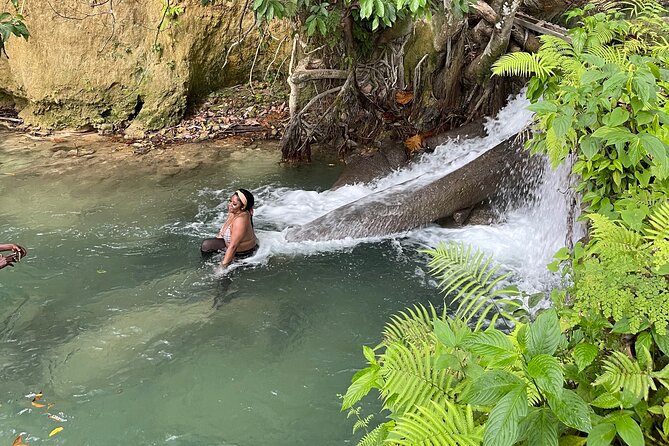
<point>236,237</point>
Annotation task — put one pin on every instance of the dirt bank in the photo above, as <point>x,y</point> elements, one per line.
<point>94,154</point>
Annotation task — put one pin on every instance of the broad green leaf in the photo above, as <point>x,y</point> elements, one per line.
<point>572,440</point>
<point>369,354</point>
<point>546,372</point>
<point>541,427</point>
<point>492,345</point>
<point>617,117</point>
<point>562,124</point>
<point>504,419</point>
<point>543,107</point>
<point>571,410</point>
<point>654,147</point>
<point>633,218</point>
<point>491,386</point>
<point>366,7</point>
<point>447,361</point>
<point>613,135</point>
<point>589,147</point>
<point>444,333</point>
<point>629,431</point>
<point>584,354</point>
<point>543,335</point>
<point>602,435</point>
<point>662,341</point>
<point>363,382</point>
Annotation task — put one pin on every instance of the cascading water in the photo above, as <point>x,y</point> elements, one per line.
<point>115,317</point>
<point>524,242</point>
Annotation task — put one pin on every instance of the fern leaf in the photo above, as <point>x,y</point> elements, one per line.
<point>413,326</point>
<point>411,378</point>
<point>471,278</point>
<point>556,45</point>
<point>659,222</point>
<point>377,436</point>
<point>615,54</point>
<point>623,373</point>
<point>447,425</point>
<point>615,242</point>
<point>362,423</point>
<point>525,64</point>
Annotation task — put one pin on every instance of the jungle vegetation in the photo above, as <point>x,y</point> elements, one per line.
<point>496,368</point>
<point>353,84</point>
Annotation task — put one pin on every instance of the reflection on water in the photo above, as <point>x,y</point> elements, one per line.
<point>135,339</point>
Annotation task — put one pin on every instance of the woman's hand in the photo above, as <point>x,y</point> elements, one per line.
<point>18,250</point>
<point>7,260</point>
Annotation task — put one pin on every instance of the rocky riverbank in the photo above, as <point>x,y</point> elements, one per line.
<point>246,117</point>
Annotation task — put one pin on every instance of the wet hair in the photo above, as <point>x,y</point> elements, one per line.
<point>248,198</point>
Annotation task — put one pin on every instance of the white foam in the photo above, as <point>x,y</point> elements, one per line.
<point>524,243</point>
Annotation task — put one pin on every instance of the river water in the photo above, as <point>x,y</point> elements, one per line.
<point>133,339</point>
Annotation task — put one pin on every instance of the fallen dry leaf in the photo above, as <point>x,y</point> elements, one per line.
<point>55,431</point>
<point>403,97</point>
<point>38,404</point>
<point>414,143</point>
<point>57,418</point>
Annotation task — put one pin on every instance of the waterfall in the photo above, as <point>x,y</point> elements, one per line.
<point>524,242</point>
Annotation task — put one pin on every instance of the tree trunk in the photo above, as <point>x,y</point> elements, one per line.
<point>413,204</point>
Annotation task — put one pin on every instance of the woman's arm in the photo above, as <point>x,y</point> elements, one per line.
<point>13,247</point>
<point>237,232</point>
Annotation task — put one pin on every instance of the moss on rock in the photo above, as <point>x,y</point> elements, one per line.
<point>85,66</point>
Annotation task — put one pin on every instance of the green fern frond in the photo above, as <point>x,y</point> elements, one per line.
<point>638,8</point>
<point>660,51</point>
<point>614,54</point>
<point>411,327</point>
<point>525,64</point>
<point>603,34</point>
<point>623,373</point>
<point>659,222</point>
<point>447,425</point>
<point>411,378</point>
<point>471,278</point>
<point>556,45</point>
<point>378,435</point>
<point>635,46</point>
<point>362,423</point>
<point>611,240</point>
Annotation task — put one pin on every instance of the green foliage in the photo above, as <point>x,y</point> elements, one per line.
<point>323,17</point>
<point>473,283</point>
<point>12,24</point>
<point>621,273</point>
<point>603,97</point>
<point>560,376</point>
<point>594,368</point>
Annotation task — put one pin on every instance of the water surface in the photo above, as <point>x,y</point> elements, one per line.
<point>135,340</point>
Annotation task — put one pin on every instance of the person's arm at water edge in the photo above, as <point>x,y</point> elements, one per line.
<point>17,253</point>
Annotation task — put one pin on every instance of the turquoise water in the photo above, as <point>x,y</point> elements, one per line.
<point>133,339</point>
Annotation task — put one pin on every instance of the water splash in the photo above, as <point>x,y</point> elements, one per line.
<point>524,243</point>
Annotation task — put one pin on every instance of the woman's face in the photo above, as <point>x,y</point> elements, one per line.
<point>234,204</point>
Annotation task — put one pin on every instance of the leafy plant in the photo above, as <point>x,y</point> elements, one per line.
<point>621,272</point>
<point>603,97</point>
<point>12,24</point>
